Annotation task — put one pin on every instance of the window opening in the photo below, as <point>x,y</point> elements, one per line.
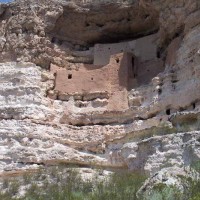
<point>133,67</point>
<point>69,76</point>
<point>117,60</point>
<point>168,112</point>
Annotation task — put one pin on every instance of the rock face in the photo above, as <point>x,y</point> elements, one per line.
<point>111,84</point>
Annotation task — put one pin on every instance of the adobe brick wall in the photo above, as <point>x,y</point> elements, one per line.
<point>112,79</point>
<point>145,48</point>
<point>91,78</point>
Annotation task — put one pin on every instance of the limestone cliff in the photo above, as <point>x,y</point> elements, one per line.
<point>112,84</point>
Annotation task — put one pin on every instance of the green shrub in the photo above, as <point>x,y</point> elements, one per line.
<point>68,185</point>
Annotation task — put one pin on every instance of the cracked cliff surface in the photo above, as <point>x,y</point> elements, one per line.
<point>137,107</point>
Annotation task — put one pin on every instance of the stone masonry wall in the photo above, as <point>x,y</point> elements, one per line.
<point>145,48</point>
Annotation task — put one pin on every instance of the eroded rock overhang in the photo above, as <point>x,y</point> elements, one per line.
<point>104,23</point>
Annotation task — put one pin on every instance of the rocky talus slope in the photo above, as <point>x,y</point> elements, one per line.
<point>158,130</point>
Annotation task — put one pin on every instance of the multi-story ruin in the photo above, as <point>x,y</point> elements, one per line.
<point>117,68</point>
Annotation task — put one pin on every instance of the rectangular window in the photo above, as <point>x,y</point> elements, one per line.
<point>69,76</point>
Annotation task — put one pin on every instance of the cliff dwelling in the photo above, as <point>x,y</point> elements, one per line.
<point>117,68</point>
<point>100,86</point>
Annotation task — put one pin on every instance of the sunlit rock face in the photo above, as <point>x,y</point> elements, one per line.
<point>111,84</point>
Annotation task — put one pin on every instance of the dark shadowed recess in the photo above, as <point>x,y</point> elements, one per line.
<point>105,24</point>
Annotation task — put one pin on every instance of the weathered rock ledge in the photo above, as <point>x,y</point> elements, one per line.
<point>117,88</point>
